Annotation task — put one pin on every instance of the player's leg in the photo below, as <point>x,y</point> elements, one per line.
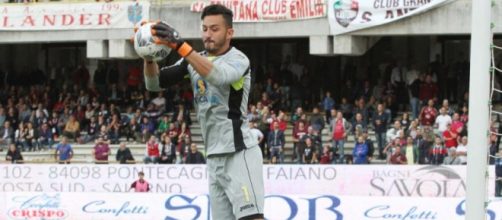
<point>221,208</point>
<point>244,186</point>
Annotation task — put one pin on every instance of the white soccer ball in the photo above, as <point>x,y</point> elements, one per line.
<point>145,46</point>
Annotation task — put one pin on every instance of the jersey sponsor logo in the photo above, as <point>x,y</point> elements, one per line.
<point>201,87</point>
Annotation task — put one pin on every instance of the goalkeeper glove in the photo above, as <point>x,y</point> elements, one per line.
<point>167,35</point>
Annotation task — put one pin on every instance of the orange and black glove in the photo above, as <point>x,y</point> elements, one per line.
<point>167,35</point>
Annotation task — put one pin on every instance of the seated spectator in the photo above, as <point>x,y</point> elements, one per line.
<point>159,102</point>
<point>309,153</point>
<point>163,125</point>
<point>20,136</point>
<point>168,152</point>
<point>398,157</point>
<point>124,154</point>
<point>152,151</point>
<point>101,151</point>
<point>410,151</point>
<point>147,129</point>
<point>326,156</point>
<point>6,135</point>
<point>462,151</point>
<point>424,143</point>
<point>30,137</point>
<point>72,129</point>
<point>194,156</point>
<point>14,154</point>
<point>132,130</point>
<point>45,135</point>
<point>182,115</point>
<point>360,151</point>
<point>452,158</point>
<point>92,131</point>
<point>393,132</point>
<point>114,129</point>
<point>64,151</point>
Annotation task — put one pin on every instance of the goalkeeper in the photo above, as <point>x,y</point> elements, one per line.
<point>221,80</point>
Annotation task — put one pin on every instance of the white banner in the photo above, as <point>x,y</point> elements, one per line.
<point>350,15</point>
<point>268,10</point>
<point>65,16</point>
<point>114,206</point>
<point>351,180</point>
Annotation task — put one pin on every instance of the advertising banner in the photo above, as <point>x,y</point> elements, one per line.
<point>268,10</point>
<point>67,16</point>
<point>350,15</point>
<point>350,180</point>
<point>109,206</point>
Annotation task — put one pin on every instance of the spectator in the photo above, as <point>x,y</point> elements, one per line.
<point>450,137</point>
<point>159,102</point>
<point>414,93</point>
<point>442,120</point>
<point>30,137</point>
<point>461,151</point>
<point>428,89</point>
<point>276,142</point>
<point>326,156</point>
<point>398,157</point>
<point>309,153</point>
<point>438,152</point>
<point>257,134</point>
<point>340,130</point>
<point>64,151</point>
<point>124,154</point>
<point>92,131</point>
<point>168,152</point>
<point>152,151</point>
<point>393,132</point>
<point>296,116</point>
<point>140,185</point>
<point>428,114</point>
<point>72,129</point>
<point>147,128</point>
<point>424,143</point>
<point>317,120</point>
<point>405,121</point>
<point>360,151</point>
<point>380,124</point>
<point>163,125</point>
<point>133,130</point>
<point>45,135</point>
<point>20,136</point>
<point>369,143</point>
<point>7,135</point>
<point>101,151</point>
<point>410,151</point>
<point>194,156</point>
<point>328,103</point>
<point>297,136</point>
<point>14,154</point>
<point>253,114</point>
<point>498,175</point>
<point>358,123</point>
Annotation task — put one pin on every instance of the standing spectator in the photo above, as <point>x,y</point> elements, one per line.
<point>72,129</point>
<point>124,154</point>
<point>168,152</point>
<point>30,138</point>
<point>360,151</point>
<point>309,153</point>
<point>257,135</point>
<point>140,185</point>
<point>152,151</point>
<point>398,157</point>
<point>328,103</point>
<point>428,114</point>
<point>297,136</point>
<point>358,123</point>
<point>340,130</point>
<point>101,151</point>
<point>414,93</point>
<point>276,142</point>
<point>296,116</point>
<point>326,156</point>
<point>100,78</point>
<point>450,137</point>
<point>20,136</point>
<point>393,132</point>
<point>442,120</point>
<point>134,77</point>
<point>317,120</point>
<point>428,89</point>
<point>424,143</point>
<point>369,143</point>
<point>14,154</point>
<point>410,151</point>
<point>462,151</point>
<point>438,152</point>
<point>194,156</point>
<point>64,151</point>
<point>380,124</point>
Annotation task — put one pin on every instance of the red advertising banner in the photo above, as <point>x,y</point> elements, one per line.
<point>268,10</point>
<point>59,16</point>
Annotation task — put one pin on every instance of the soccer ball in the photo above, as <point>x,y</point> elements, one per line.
<point>145,46</point>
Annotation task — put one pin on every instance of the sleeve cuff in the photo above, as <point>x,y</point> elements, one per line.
<point>152,83</point>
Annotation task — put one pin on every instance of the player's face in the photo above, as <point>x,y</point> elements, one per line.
<point>216,35</point>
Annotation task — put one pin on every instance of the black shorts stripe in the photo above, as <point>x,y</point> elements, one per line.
<point>251,182</point>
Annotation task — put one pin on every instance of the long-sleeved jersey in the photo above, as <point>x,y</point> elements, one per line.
<point>221,101</point>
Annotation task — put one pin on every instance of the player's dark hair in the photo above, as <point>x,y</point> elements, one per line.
<point>218,9</point>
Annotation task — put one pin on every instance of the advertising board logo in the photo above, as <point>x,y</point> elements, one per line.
<point>429,181</point>
<point>345,11</point>
<point>43,206</point>
<point>135,13</point>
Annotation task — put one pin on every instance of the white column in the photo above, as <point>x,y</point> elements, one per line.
<point>478,109</point>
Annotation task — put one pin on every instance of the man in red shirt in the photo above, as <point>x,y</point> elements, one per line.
<point>450,137</point>
<point>428,114</point>
<point>428,89</point>
<point>152,151</point>
<point>101,151</point>
<point>340,130</point>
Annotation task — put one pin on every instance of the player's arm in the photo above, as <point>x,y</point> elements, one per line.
<point>158,78</point>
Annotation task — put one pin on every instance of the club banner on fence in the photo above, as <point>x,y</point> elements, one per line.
<point>268,10</point>
<point>61,16</point>
<point>114,206</point>
<point>350,15</point>
<point>351,180</point>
